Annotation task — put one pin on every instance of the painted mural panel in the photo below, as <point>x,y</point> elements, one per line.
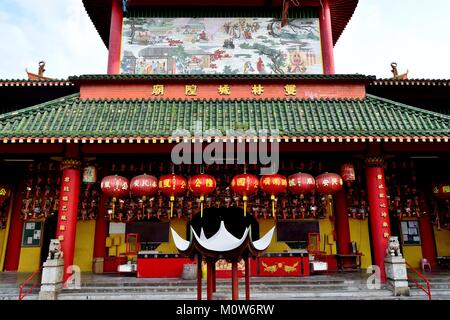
<point>220,46</point>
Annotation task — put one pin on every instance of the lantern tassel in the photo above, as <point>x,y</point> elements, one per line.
<point>202,198</point>
<point>273,207</point>
<point>113,207</point>
<point>245,205</point>
<point>330,206</point>
<point>172,199</point>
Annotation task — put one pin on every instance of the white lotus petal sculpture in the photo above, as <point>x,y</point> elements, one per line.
<point>222,242</point>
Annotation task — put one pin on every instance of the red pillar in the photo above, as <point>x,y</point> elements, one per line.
<point>209,280</point>
<point>427,235</point>
<point>342,224</point>
<point>115,37</point>
<point>214,277</point>
<point>199,277</point>
<point>327,38</point>
<point>101,229</point>
<point>68,210</point>
<point>14,243</point>
<point>379,214</point>
<point>234,281</point>
<point>247,278</point>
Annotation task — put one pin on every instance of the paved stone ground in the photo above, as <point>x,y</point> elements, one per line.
<point>339,286</point>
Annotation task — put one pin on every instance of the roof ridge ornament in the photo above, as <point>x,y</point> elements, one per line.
<point>394,71</point>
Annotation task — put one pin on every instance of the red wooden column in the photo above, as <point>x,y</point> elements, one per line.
<point>199,277</point>
<point>68,208</point>
<point>342,223</point>
<point>209,280</point>
<point>115,37</point>
<point>427,234</point>
<point>247,278</point>
<point>14,243</point>
<point>379,214</point>
<point>214,278</point>
<point>234,281</point>
<point>327,38</point>
<point>101,229</point>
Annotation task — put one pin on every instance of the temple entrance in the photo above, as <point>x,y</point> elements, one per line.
<point>234,220</point>
<point>49,233</point>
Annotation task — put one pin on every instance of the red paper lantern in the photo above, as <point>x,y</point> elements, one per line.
<point>273,184</point>
<point>144,186</point>
<point>329,183</point>
<point>301,183</point>
<point>115,187</point>
<point>245,185</point>
<point>201,185</point>
<point>442,191</point>
<point>348,172</point>
<point>172,186</point>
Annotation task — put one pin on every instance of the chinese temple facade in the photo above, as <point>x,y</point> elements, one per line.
<point>228,77</point>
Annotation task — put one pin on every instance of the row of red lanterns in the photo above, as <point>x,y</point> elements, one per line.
<point>202,185</point>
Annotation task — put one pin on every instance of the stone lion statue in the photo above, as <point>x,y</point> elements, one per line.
<point>54,251</point>
<point>394,247</point>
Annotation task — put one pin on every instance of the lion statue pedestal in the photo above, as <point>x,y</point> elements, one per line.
<point>395,267</point>
<point>52,273</point>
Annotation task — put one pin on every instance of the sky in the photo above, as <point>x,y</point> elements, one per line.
<point>413,33</point>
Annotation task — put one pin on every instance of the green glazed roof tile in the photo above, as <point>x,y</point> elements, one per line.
<point>73,117</point>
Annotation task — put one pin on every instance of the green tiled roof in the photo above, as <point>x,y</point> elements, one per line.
<point>72,117</point>
<point>304,77</point>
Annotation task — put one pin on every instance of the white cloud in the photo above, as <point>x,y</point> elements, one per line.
<point>59,32</point>
<point>410,32</point>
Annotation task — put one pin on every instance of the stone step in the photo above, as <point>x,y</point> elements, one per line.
<point>227,295</point>
<point>178,283</point>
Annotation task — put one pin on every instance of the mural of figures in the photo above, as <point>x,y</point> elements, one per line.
<point>220,46</point>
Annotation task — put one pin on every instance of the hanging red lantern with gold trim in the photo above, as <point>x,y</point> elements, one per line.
<point>245,185</point>
<point>328,184</point>
<point>144,186</point>
<point>202,185</point>
<point>442,191</point>
<point>348,173</point>
<point>273,184</point>
<point>115,187</point>
<point>172,186</point>
<point>301,184</point>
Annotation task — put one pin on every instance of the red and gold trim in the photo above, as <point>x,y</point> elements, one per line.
<point>70,164</point>
<point>295,139</point>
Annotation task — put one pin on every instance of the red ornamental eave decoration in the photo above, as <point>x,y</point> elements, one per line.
<point>442,191</point>
<point>245,185</point>
<point>144,186</point>
<point>274,185</point>
<point>348,172</point>
<point>115,187</point>
<point>301,183</point>
<point>172,186</point>
<point>201,185</point>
